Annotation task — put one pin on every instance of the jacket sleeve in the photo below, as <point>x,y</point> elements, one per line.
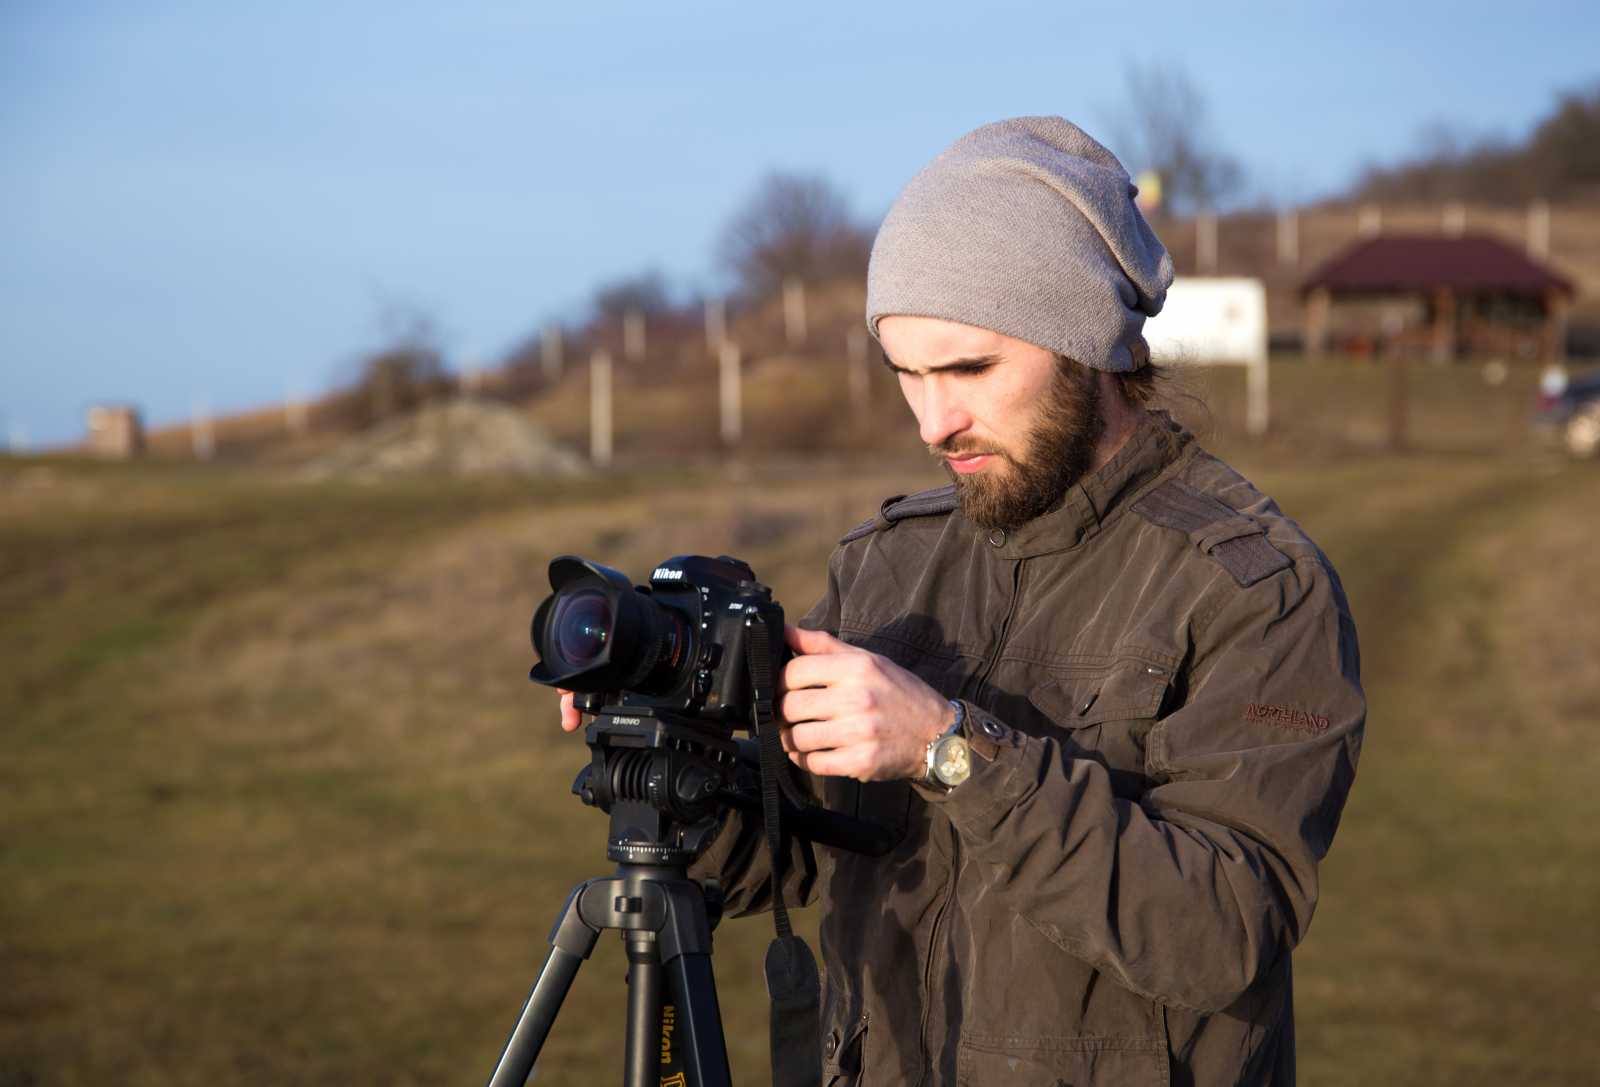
<point>737,857</point>
<point>1193,890</point>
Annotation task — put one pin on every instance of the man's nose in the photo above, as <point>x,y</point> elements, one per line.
<point>942,414</point>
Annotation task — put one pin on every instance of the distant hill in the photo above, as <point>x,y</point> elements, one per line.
<point>1559,161</point>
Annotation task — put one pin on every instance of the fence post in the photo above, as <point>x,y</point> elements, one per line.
<point>1539,229</point>
<point>728,387</point>
<point>201,436</point>
<point>716,325</point>
<point>633,335</point>
<point>1205,239</point>
<point>1318,303</point>
<point>1289,237</point>
<point>600,409</point>
<point>296,416</point>
<point>1257,401</point>
<point>856,350</point>
<point>794,312</point>
<point>550,352</point>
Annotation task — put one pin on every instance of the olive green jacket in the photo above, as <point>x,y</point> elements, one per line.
<point>1163,691</point>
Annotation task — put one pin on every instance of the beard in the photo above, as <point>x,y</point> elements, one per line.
<point>1057,452</point>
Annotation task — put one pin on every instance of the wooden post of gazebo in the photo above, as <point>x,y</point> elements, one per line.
<point>1318,302</point>
<point>1555,326</point>
<point>1444,324</point>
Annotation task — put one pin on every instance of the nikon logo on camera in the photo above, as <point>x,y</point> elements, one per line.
<point>663,573</point>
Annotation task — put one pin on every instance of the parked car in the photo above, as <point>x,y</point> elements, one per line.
<point>1568,408</point>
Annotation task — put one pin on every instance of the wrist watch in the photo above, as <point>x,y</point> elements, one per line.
<point>949,758</point>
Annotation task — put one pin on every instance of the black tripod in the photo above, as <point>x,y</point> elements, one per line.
<point>674,1032</point>
<point>665,781</point>
<point>662,780</point>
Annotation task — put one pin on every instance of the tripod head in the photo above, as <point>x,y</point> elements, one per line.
<point>667,781</point>
<point>660,777</point>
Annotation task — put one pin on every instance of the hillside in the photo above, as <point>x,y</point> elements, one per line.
<point>281,806</point>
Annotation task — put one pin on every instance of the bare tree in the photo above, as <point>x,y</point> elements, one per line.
<point>1565,147</point>
<point>407,371</point>
<point>1163,126</point>
<point>793,225</point>
<point>645,292</point>
<point>1560,159</point>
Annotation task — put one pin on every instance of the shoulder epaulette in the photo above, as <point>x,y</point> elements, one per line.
<point>1237,542</point>
<point>901,506</point>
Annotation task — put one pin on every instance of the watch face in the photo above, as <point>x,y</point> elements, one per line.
<point>952,760</point>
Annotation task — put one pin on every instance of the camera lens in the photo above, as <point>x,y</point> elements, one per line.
<point>596,633</point>
<point>582,626</point>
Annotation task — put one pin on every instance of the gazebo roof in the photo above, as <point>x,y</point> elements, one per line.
<point>1401,262</point>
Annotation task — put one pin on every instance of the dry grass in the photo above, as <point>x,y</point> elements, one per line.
<point>280,806</point>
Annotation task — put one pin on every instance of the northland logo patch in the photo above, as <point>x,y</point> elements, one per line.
<point>1284,717</point>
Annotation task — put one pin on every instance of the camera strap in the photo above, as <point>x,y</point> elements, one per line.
<point>792,982</point>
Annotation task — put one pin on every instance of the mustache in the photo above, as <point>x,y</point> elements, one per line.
<point>955,447</point>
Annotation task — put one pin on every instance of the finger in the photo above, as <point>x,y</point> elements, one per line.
<point>810,704</point>
<point>818,736</point>
<point>570,717</point>
<point>820,670</point>
<point>825,763</point>
<point>813,641</point>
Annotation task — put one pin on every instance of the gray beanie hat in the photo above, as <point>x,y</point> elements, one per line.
<point>1025,227</point>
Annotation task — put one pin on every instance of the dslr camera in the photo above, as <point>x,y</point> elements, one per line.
<point>679,646</point>
<point>671,670</point>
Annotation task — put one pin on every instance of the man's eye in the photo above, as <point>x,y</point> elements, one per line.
<point>972,371</point>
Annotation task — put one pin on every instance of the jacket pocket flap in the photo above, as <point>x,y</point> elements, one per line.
<point>1129,690</point>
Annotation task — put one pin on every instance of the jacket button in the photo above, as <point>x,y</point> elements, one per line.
<point>998,537</point>
<point>831,1046</point>
<point>992,728</point>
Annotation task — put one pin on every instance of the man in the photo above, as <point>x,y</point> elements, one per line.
<point>1105,692</point>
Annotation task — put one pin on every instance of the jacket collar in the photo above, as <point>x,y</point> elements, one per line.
<point>1154,444</point>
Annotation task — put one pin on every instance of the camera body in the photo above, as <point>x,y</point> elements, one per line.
<point>680,645</point>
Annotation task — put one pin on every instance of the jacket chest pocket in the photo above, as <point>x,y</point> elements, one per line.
<point>1104,714</point>
<point>944,670</point>
<point>888,803</point>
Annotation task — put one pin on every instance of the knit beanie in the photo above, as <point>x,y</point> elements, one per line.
<point>1025,227</point>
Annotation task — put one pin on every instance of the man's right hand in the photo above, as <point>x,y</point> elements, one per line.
<point>571,719</point>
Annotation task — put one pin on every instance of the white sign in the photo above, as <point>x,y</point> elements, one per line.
<point>1216,320</point>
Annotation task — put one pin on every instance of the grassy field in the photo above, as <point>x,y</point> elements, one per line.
<point>280,806</point>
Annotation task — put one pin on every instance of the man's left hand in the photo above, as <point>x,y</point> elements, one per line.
<point>852,713</point>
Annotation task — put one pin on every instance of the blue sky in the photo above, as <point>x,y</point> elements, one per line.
<point>217,202</point>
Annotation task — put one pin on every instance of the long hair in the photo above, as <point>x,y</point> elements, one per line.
<point>1141,384</point>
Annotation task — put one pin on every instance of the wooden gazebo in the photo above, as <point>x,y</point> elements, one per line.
<point>1441,296</point>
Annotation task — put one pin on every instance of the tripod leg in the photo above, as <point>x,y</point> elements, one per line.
<point>570,943</point>
<point>645,987</point>
<point>538,1014</point>
<point>700,1019</point>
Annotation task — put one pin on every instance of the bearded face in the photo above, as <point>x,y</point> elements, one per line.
<point>1033,474</point>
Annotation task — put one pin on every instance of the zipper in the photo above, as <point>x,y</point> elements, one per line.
<point>933,949</point>
<point>1005,630</point>
<point>955,839</point>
